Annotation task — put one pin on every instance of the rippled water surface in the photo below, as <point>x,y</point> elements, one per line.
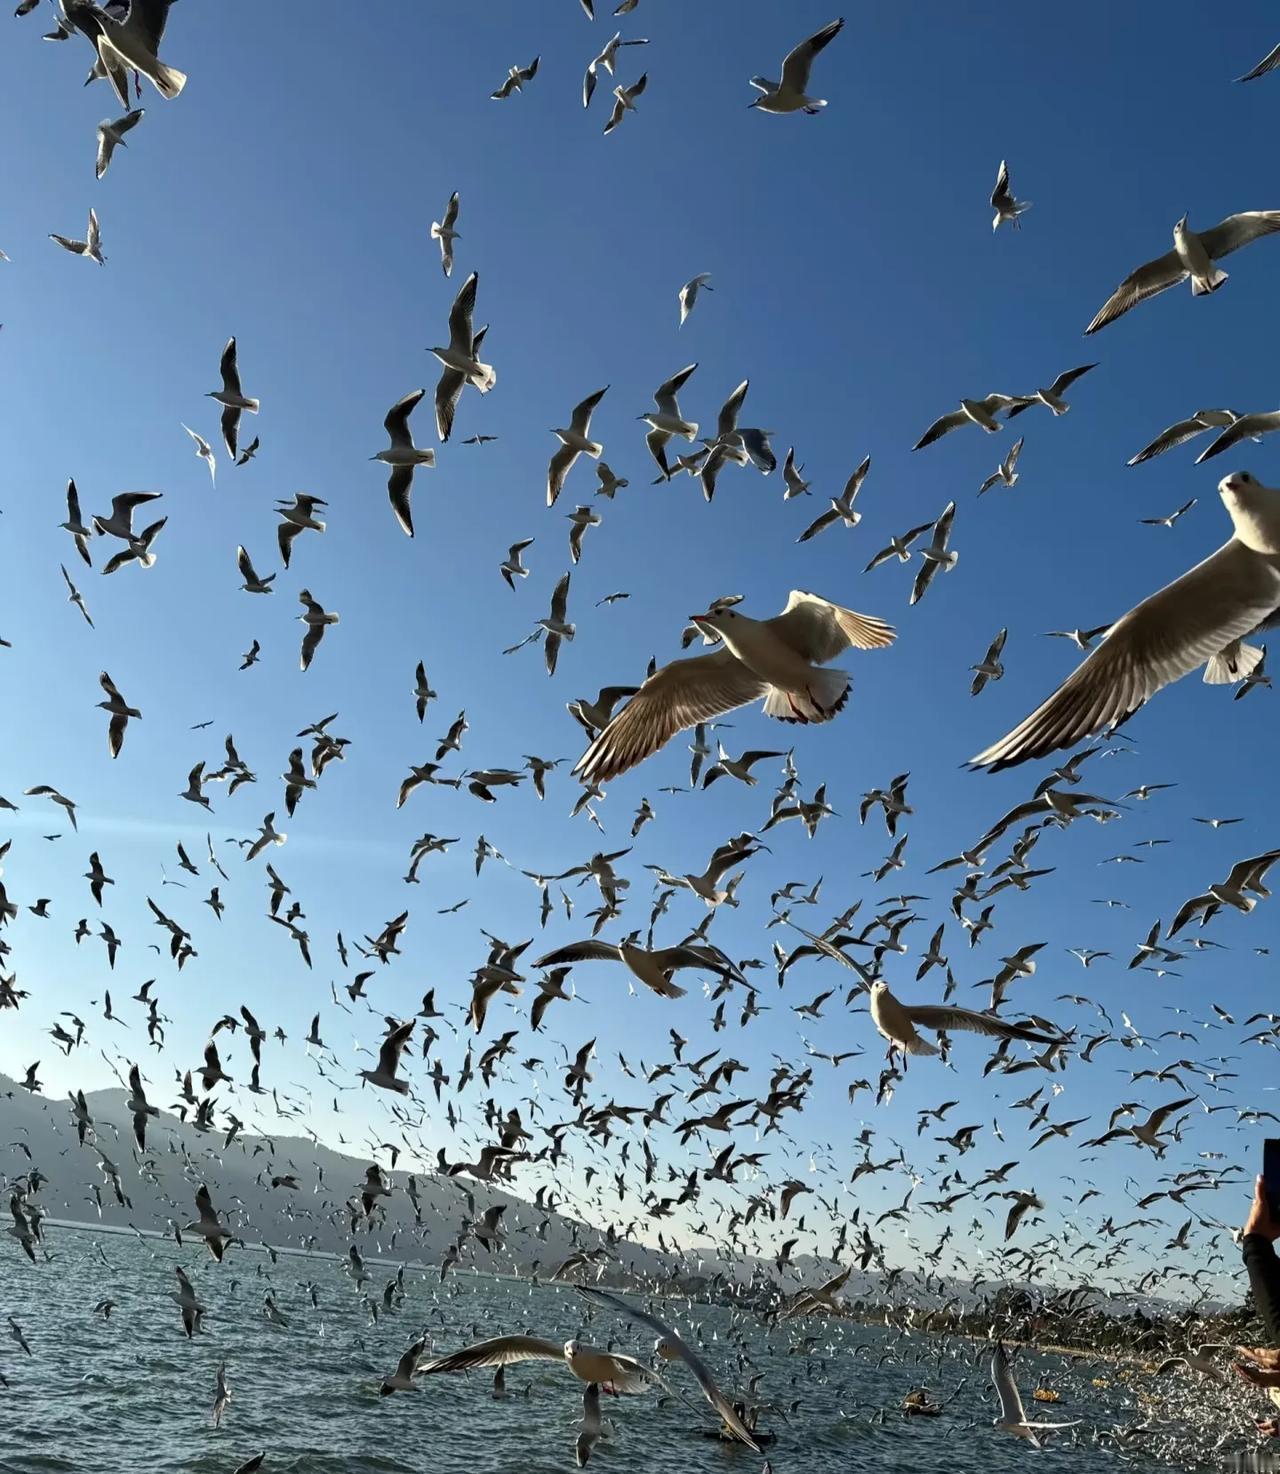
<point>133,1394</point>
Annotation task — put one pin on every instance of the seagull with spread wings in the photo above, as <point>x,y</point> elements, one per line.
<point>775,659</point>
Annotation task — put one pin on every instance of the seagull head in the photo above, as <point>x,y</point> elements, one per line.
<point>1180,226</point>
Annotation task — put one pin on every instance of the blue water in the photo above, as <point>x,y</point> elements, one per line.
<point>133,1394</point>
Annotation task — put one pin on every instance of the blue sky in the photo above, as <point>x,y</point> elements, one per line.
<point>286,198</point>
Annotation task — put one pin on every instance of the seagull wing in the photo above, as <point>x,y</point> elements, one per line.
<point>940,427</point>
<point>588,951</point>
<point>1163,639</point>
<point>1177,434</point>
<point>1239,230</point>
<point>501,1351</point>
<point>1156,276</point>
<point>664,396</point>
<point>1011,1409</point>
<point>678,696</point>
<point>696,1365</point>
<point>820,630</point>
<point>943,1016</point>
<point>799,61</point>
<point>1241,429</point>
<point>397,420</point>
<point>1268,63</point>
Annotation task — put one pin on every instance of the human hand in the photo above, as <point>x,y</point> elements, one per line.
<point>1260,1219</point>
<point>1267,1357</point>
<point>1256,1376</point>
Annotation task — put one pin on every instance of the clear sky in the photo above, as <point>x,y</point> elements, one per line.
<point>286,198</point>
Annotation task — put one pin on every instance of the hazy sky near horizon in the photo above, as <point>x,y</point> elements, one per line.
<point>286,198</point>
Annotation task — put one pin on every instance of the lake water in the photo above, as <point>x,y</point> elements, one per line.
<point>132,1394</point>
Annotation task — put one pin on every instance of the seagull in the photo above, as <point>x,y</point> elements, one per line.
<point>581,518</point>
<point>384,1074</point>
<point>1245,876</point>
<point>299,516</point>
<point>252,583</point>
<point>232,400</point>
<point>111,134</point>
<point>188,1303</point>
<point>402,455</point>
<point>739,768</point>
<point>624,101</point>
<point>43,790</point>
<point>610,484</point>
<point>667,420</point>
<point>1170,519</point>
<point>120,712</point>
<point>461,366</point>
<point>401,1380</point>
<point>512,569</point>
<point>788,95</point>
<point>841,507</point>
<point>1051,397</point>
<point>317,620</point>
<point>899,1023</point>
<point>516,78</point>
<point>207,1225</point>
<point>555,625</point>
<point>688,294</point>
<point>1241,428</point>
<point>606,59</point>
<point>574,441</point>
<point>980,412</point>
<point>1146,1132</point>
<point>899,547</point>
<point>591,1428</point>
<point>1081,639</point>
<point>74,596</point>
<point>795,483</point>
<point>1200,617</point>
<point>1013,1418</point>
<point>776,659</point>
<point>611,1370</point>
<point>673,1347</point>
<point>1193,256</point>
<point>1182,431</point>
<point>443,231</point>
<point>75,523</point>
<point>91,246</point>
<point>937,555</point>
<point>727,446</point>
<point>651,966</point>
<point>126,41</point>
<point>205,453</point>
<point>1003,202</point>
<point>989,668</point>
<point>1267,64</point>
<point>1004,472</point>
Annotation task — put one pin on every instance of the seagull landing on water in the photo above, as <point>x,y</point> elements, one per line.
<point>775,659</point>
<point>788,95</point>
<point>1193,256</point>
<point>1198,619</point>
<point>1003,202</point>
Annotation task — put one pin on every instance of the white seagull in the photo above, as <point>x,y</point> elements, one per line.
<point>788,95</point>
<point>461,366</point>
<point>1003,202</point>
<point>1193,256</point>
<point>688,293</point>
<point>402,455</point>
<point>775,659</point>
<point>443,231</point>
<point>91,246</point>
<point>111,135</point>
<point>574,441</point>
<point>232,400</point>
<point>1199,619</point>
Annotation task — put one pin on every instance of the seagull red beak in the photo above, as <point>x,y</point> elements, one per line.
<point>698,618</point>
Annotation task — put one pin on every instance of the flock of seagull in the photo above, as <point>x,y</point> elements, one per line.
<point>1204,619</point>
